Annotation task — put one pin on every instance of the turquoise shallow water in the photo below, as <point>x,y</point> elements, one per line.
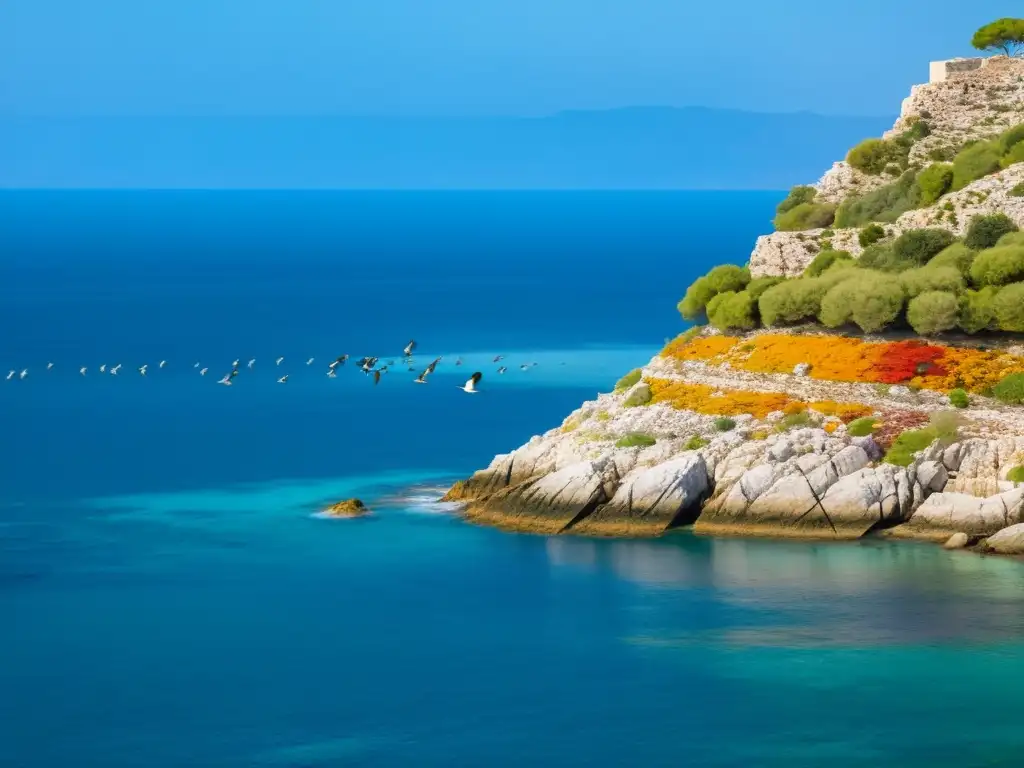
<point>171,598</point>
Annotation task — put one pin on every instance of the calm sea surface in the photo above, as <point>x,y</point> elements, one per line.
<point>169,598</point>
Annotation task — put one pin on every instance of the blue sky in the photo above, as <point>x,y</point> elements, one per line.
<point>471,57</point>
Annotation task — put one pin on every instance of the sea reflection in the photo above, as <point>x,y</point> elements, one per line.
<point>797,594</point>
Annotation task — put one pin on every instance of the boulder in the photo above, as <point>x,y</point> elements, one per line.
<point>347,508</point>
<point>944,514</point>
<point>957,541</point>
<point>649,499</point>
<point>1007,541</point>
<point>932,475</point>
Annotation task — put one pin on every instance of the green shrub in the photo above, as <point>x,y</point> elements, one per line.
<point>641,395</point>
<point>806,216</point>
<point>695,443</point>
<point>946,424</point>
<point>870,299</point>
<point>941,154</point>
<point>998,266</point>
<point>870,156</point>
<point>796,301</point>
<point>1012,238</point>
<point>919,130</point>
<point>758,286</point>
<point>1016,475</point>
<point>973,162</point>
<point>861,427</point>
<point>870,235</point>
<point>885,204</point>
<point>628,380</point>
<point>727,277</point>
<point>824,260</point>
<point>690,334</point>
<point>1011,137</point>
<point>1010,390</point>
<point>635,440</point>
<point>931,278</point>
<point>724,424</point>
<point>795,421</point>
<point>1017,190</point>
<point>958,256</point>
<point>976,312</point>
<point>1008,306</point>
<point>933,312</point>
<point>880,257</point>
<point>1014,156</point>
<point>935,181</point>
<point>733,311</point>
<point>907,444</point>
<point>958,398</point>
<point>985,231</point>
<point>797,196</point>
<point>919,245</point>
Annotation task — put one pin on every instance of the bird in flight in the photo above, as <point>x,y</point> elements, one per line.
<point>103,368</point>
<point>234,364</point>
<point>498,358</point>
<point>10,375</point>
<point>252,362</point>
<point>283,379</point>
<point>82,370</point>
<point>432,366</point>
<point>23,374</point>
<point>470,386</point>
<point>458,361</point>
<point>203,371</point>
<point>279,361</point>
<point>310,361</point>
<point>421,379</point>
<point>376,377</point>
<point>49,366</point>
<point>332,374</point>
<point>115,369</point>
<point>409,348</point>
<point>162,363</point>
<point>143,368</point>
<point>226,381</point>
<point>502,369</point>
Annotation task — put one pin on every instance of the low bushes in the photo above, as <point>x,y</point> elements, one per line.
<point>957,255</point>
<point>933,312</point>
<point>695,443</point>
<point>871,300</point>
<point>628,380</point>
<point>975,312</point>
<point>733,311</point>
<point>985,231</point>
<point>883,204</point>
<point>919,245</point>
<point>639,396</point>
<point>974,162</point>
<point>1008,307</point>
<point>635,440</point>
<point>907,444</point>
<point>806,216</point>
<point>825,260</point>
<point>1016,475</point>
<point>870,156</point>
<point>861,427</point>
<point>934,181</point>
<point>1017,190</point>
<point>931,278</point>
<point>797,196</point>
<point>998,266</point>
<point>882,258</point>
<point>724,424</point>
<point>958,398</point>
<point>721,279</point>
<point>1010,390</point>
<point>870,235</point>
<point>795,421</point>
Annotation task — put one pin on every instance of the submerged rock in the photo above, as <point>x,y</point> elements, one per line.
<point>957,541</point>
<point>347,508</point>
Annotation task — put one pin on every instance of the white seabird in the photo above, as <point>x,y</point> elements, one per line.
<point>332,374</point>
<point>11,375</point>
<point>279,361</point>
<point>143,368</point>
<point>283,379</point>
<point>310,361</point>
<point>49,366</point>
<point>203,371</point>
<point>163,363</point>
<point>103,368</point>
<point>252,362</point>
<point>23,374</point>
<point>115,369</point>
<point>409,348</point>
<point>82,370</point>
<point>470,386</point>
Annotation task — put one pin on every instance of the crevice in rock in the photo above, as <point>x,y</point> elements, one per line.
<point>508,474</point>
<point>817,503</point>
<point>588,509</point>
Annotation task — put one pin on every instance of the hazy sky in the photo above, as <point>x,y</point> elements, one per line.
<point>472,57</point>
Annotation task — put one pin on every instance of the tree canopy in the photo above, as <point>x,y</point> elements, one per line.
<point>1006,35</point>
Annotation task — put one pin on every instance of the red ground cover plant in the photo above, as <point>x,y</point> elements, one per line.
<point>901,361</point>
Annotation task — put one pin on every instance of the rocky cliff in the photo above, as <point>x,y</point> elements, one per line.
<point>801,431</point>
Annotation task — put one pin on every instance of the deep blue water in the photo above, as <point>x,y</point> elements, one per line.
<point>170,599</point>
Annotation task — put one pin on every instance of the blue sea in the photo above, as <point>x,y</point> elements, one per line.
<point>169,596</point>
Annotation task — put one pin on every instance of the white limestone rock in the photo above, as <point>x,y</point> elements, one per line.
<point>1007,541</point>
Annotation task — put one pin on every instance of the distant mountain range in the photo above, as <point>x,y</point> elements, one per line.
<point>650,148</point>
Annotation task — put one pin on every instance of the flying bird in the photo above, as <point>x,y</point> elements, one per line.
<point>523,367</point>
<point>143,369</point>
<point>458,361</point>
<point>103,368</point>
<point>115,369</point>
<point>203,371</point>
<point>49,366</point>
<point>310,361</point>
<point>252,362</point>
<point>376,377</point>
<point>82,370</point>
<point>432,366</point>
<point>162,363</point>
<point>470,386</point>
<point>11,375</point>
<point>421,379</point>
<point>234,364</point>
<point>228,377</point>
<point>196,365</point>
<point>409,348</point>
<point>279,361</point>
<point>331,374</point>
<point>498,358</point>
<point>23,374</point>
<point>502,369</point>
<point>283,379</point>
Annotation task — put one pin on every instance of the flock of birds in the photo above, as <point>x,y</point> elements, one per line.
<point>368,365</point>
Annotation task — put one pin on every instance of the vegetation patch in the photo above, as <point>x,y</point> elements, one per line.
<point>641,395</point>
<point>695,443</point>
<point>902,451</point>
<point>985,231</point>
<point>724,424</point>
<point>635,440</point>
<point>958,398</point>
<point>1010,390</point>
<point>1016,475</point>
<point>628,380</point>
<point>861,427</point>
